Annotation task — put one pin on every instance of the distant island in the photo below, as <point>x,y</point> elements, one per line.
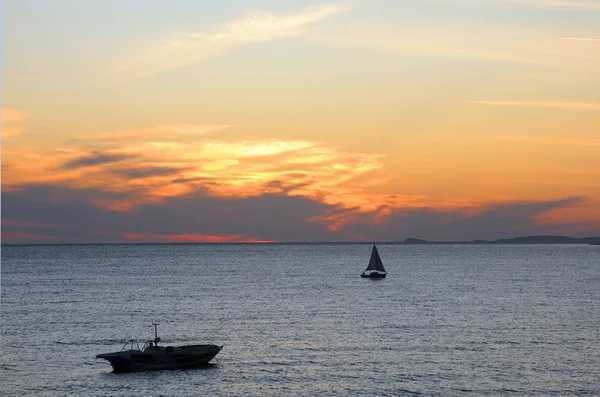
<point>517,240</point>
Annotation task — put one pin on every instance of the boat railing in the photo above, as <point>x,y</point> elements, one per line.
<point>131,343</point>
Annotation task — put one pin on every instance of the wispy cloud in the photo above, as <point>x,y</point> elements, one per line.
<point>167,131</point>
<point>584,4</point>
<point>465,39</point>
<point>11,122</point>
<point>582,39</point>
<point>95,158</point>
<point>10,115</point>
<point>550,140</point>
<point>186,48</point>
<point>542,104</point>
<point>573,4</point>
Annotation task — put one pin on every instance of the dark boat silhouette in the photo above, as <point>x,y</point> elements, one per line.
<point>155,357</point>
<point>375,268</point>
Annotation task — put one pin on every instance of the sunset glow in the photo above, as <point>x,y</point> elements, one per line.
<point>192,238</point>
<point>268,122</point>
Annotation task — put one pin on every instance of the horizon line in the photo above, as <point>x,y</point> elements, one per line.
<point>415,241</point>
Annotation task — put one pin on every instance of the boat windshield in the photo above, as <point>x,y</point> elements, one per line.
<point>130,344</point>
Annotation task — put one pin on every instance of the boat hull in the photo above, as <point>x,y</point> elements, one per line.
<point>174,358</point>
<point>373,275</point>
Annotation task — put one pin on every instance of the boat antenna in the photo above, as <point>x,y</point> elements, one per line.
<point>156,338</point>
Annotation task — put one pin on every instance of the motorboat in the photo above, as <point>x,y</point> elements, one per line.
<point>153,356</point>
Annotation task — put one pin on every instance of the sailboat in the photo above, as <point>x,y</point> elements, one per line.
<point>375,268</point>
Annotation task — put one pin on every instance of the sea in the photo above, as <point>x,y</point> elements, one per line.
<point>297,319</point>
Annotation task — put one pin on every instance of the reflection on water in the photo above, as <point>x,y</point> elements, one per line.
<point>297,320</point>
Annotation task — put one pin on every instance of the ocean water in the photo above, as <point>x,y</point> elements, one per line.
<point>297,320</point>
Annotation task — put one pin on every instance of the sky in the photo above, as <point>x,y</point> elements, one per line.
<point>291,121</point>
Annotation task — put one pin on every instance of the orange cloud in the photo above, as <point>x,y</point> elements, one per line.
<point>145,168</point>
<point>583,215</point>
<point>11,120</point>
<point>367,208</point>
<point>195,238</point>
<point>550,141</point>
<point>170,161</point>
<point>148,166</point>
<point>335,221</point>
<point>13,116</point>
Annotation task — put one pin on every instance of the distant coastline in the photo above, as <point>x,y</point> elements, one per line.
<point>517,240</point>
<point>412,241</point>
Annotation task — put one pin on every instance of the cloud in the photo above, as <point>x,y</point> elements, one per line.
<point>13,115</point>
<point>489,221</point>
<point>95,158</point>
<point>581,39</point>
<point>69,215</point>
<point>582,4</point>
<point>573,4</point>
<point>11,122</point>
<point>543,104</point>
<point>153,167</point>
<point>186,48</point>
<point>165,131</point>
<point>136,172</point>
<point>193,238</point>
<point>466,39</point>
<point>66,215</point>
<point>550,141</point>
<point>173,189</point>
